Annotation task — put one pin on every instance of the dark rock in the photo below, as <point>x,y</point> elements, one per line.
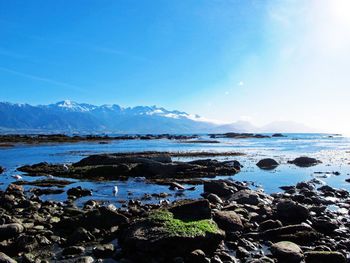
<point>287,252</point>
<point>214,199</point>
<point>324,257</point>
<point>78,192</point>
<point>220,188</point>
<point>194,210</point>
<point>246,197</point>
<point>228,220</point>
<point>278,135</point>
<point>198,256</point>
<point>160,238</point>
<point>291,211</point>
<point>269,224</point>
<point>103,251</point>
<point>305,161</point>
<point>267,164</point>
<point>10,231</point>
<point>73,250</point>
<point>1,170</point>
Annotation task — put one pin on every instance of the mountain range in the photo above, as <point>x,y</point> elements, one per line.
<point>72,117</point>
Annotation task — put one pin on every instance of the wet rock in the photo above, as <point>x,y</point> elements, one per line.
<point>291,211</point>
<point>79,236</point>
<point>6,259</point>
<point>176,186</point>
<point>194,210</point>
<point>246,197</point>
<point>10,231</point>
<point>287,252</point>
<point>198,256</point>
<point>267,164</point>
<point>324,257</point>
<point>214,199</point>
<point>305,161</point>
<point>73,250</point>
<point>228,220</point>
<point>103,251</point>
<point>78,192</point>
<point>302,234</point>
<point>1,170</point>
<point>269,224</point>
<point>220,188</point>
<point>46,183</point>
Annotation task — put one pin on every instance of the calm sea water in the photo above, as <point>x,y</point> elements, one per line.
<point>333,151</point>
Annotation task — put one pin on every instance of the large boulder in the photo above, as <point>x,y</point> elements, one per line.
<point>267,164</point>
<point>161,237</point>
<point>288,252</point>
<point>305,161</point>
<point>228,220</point>
<point>324,257</point>
<point>290,211</point>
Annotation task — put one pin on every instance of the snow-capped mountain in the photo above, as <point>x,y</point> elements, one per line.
<point>70,116</point>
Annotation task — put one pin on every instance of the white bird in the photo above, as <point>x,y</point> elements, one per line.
<point>17,177</point>
<point>65,167</point>
<point>115,190</point>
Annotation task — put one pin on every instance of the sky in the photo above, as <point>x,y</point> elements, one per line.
<point>226,60</point>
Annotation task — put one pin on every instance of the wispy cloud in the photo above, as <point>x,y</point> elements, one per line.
<point>42,79</point>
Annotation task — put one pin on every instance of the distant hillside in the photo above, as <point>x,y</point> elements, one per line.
<point>68,117</point>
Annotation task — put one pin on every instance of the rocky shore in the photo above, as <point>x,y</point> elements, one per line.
<point>231,223</point>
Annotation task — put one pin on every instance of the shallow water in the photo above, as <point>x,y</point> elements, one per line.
<point>333,151</point>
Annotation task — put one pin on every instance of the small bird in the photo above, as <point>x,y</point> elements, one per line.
<point>17,177</point>
<point>65,167</point>
<point>115,190</point>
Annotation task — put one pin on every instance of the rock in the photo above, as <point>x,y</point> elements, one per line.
<point>214,199</point>
<point>194,210</point>
<point>324,257</point>
<point>246,197</point>
<point>288,252</point>
<point>10,231</point>
<point>1,170</point>
<point>267,164</point>
<point>291,211</point>
<point>269,224</point>
<point>220,188</point>
<point>6,259</point>
<point>73,250</point>
<point>103,251</point>
<point>160,235</point>
<point>79,236</point>
<point>305,161</point>
<point>300,234</point>
<point>176,186</point>
<point>198,256</point>
<point>78,192</point>
<point>228,220</point>
<point>278,135</point>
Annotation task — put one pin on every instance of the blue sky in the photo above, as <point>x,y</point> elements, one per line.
<point>226,60</point>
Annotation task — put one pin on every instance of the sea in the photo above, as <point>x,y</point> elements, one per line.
<point>333,150</point>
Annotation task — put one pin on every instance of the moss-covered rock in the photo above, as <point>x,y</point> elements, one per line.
<point>160,236</point>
